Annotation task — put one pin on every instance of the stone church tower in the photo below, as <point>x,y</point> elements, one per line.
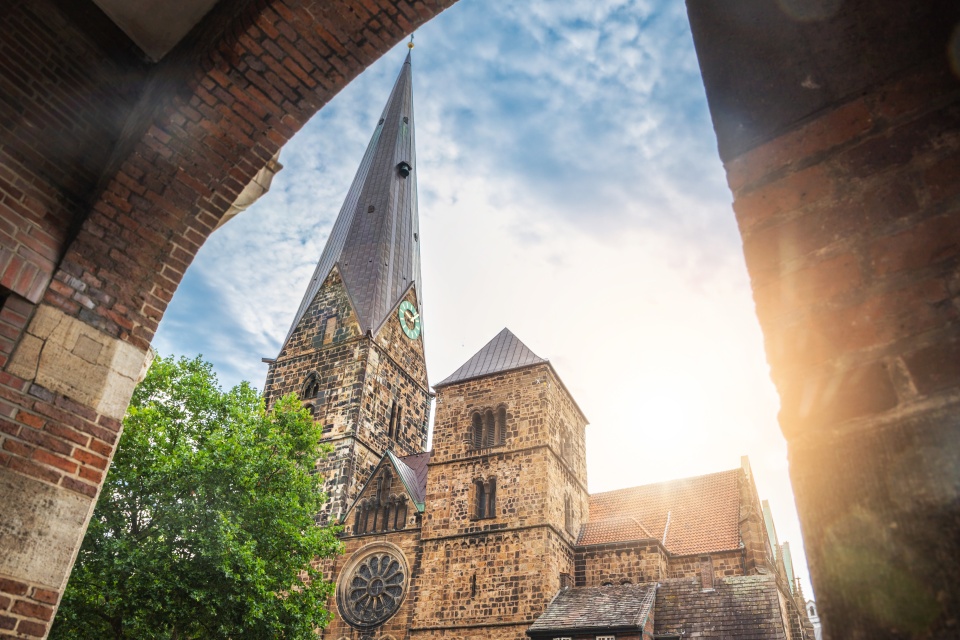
<point>354,352</point>
<point>507,492</point>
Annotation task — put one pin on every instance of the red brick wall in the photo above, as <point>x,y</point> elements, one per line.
<point>851,231</point>
<point>66,89</point>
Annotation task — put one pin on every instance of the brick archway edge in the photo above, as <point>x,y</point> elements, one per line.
<point>98,251</point>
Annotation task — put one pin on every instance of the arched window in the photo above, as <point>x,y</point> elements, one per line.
<point>396,415</point>
<point>400,515</point>
<point>477,430</point>
<point>501,430</point>
<point>311,388</point>
<point>489,428</point>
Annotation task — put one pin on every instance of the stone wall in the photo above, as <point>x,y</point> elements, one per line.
<point>358,380</point>
<point>724,563</point>
<point>621,563</point>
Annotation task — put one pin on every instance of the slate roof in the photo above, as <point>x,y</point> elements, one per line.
<point>704,513</point>
<point>413,472</point>
<point>504,353</point>
<point>742,607</point>
<point>596,609</point>
<point>375,239</point>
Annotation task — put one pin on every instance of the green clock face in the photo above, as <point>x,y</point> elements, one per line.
<point>409,319</point>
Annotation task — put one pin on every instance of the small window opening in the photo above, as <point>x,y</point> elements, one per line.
<point>477,430</point>
<point>486,499</point>
<point>329,329</point>
<point>395,413</point>
<point>404,169</point>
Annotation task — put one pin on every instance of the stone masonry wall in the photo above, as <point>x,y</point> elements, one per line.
<point>485,581</point>
<point>621,563</point>
<point>725,564</point>
<point>359,379</point>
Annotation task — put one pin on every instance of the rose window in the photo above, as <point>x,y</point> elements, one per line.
<point>373,589</point>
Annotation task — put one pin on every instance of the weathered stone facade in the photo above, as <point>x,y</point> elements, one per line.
<point>356,383</point>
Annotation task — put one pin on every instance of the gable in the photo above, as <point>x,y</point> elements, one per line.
<point>394,479</point>
<point>330,318</point>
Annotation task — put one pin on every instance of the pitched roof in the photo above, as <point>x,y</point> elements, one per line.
<point>375,240</point>
<point>614,529</point>
<point>597,608</point>
<point>413,471</point>
<point>504,353</point>
<point>742,607</point>
<point>703,512</point>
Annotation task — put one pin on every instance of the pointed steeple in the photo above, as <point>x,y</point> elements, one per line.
<point>504,353</point>
<point>375,240</point>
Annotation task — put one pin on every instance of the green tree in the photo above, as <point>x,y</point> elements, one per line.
<point>205,525</point>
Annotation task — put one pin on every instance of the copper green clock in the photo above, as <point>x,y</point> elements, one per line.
<point>409,319</point>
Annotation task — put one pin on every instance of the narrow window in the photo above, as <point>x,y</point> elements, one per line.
<point>492,498</point>
<point>473,586</point>
<point>488,428</point>
<point>401,516</point>
<point>501,425</point>
<point>358,521</point>
<point>481,497</point>
<point>706,572</point>
<point>477,435</point>
<point>329,329</point>
<point>392,429</point>
<point>568,514</point>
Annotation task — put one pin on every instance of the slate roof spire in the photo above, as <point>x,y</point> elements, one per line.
<point>375,240</point>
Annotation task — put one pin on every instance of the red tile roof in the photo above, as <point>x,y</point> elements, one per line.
<point>704,514</point>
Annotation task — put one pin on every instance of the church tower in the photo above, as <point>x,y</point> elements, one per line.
<point>506,492</point>
<point>354,353</point>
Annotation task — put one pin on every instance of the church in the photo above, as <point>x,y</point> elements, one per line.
<point>493,533</point>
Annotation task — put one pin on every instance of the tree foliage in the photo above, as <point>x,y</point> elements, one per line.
<point>205,524</point>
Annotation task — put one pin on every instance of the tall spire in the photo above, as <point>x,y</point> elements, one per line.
<point>375,240</point>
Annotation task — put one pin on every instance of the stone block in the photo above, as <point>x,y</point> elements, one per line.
<point>40,529</point>
<point>65,355</point>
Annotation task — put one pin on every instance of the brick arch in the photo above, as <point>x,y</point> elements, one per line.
<point>159,174</point>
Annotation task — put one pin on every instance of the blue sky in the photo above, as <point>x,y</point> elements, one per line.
<point>570,189</point>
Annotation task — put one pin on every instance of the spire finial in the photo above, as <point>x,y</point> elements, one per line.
<point>410,44</point>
